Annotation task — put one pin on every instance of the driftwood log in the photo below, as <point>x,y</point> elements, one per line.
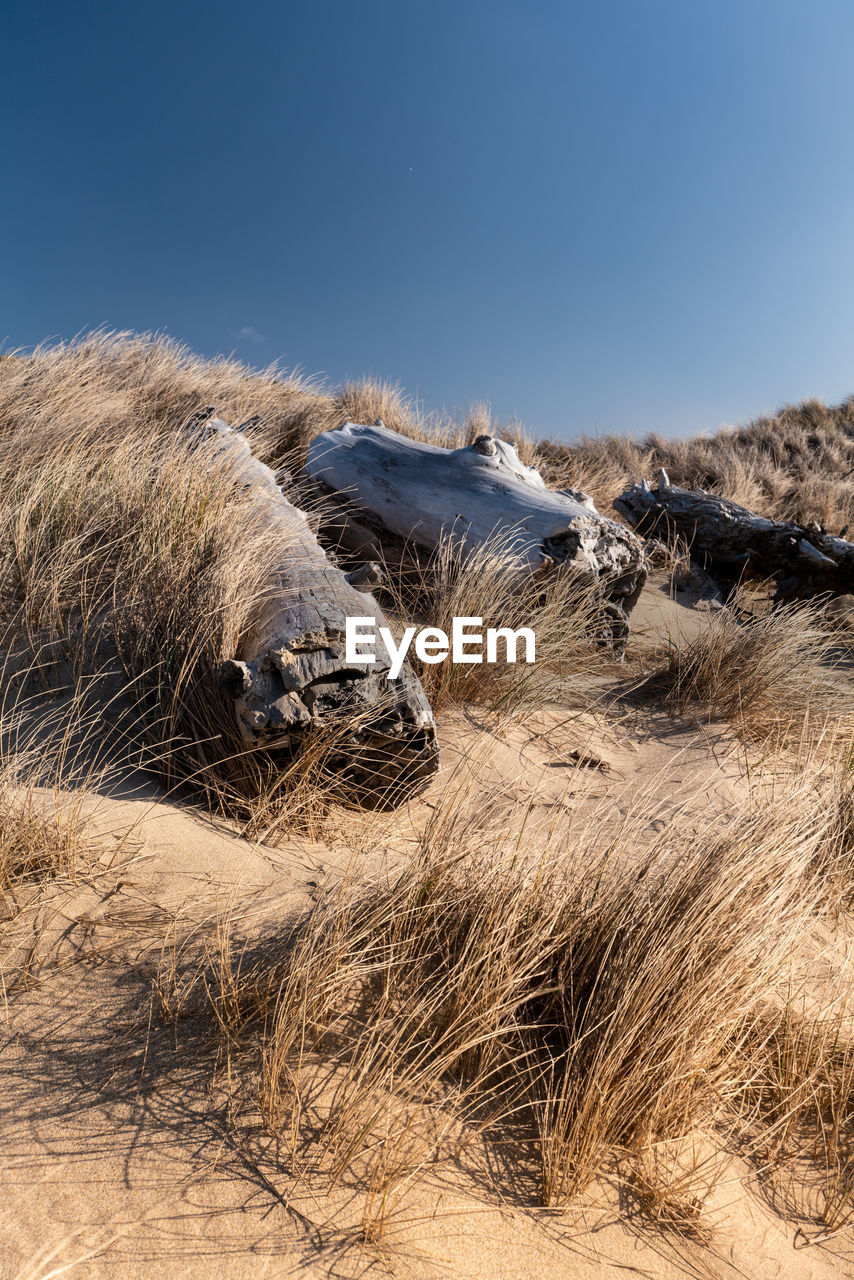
<point>395,498</point>
<point>291,675</point>
<point>728,539</point>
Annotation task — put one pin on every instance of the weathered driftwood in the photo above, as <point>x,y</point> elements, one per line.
<point>728,538</point>
<point>291,675</point>
<point>396,498</point>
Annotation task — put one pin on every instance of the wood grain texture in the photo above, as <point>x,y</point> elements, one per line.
<point>728,538</point>
<point>291,676</point>
<point>393,497</point>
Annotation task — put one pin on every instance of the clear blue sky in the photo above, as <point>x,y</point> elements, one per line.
<point>622,214</point>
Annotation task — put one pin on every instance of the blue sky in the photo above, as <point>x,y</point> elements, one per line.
<point>619,215</point>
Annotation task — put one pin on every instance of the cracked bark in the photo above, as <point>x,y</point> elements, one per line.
<point>393,498</point>
<point>291,676</point>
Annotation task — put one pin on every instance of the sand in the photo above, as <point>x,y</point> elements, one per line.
<point>113,1155</point>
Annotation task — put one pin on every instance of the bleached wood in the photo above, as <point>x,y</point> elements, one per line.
<point>291,673</point>
<point>394,495</point>
<point>729,538</point>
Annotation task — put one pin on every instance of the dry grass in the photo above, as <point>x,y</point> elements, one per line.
<point>53,766</point>
<point>795,465</point>
<point>118,542</point>
<point>572,993</point>
<point>767,673</point>
<point>113,386</point>
<point>35,843</point>
<point>122,548</point>
<point>581,997</point>
<point>798,1117</point>
<point>51,762</point>
<point>132,553</point>
<point>563,611</point>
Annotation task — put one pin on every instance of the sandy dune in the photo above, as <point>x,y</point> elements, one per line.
<point>114,1158</point>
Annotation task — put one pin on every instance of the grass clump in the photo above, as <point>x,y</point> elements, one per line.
<point>767,673</point>
<point>53,768</point>
<point>119,541</point>
<point>130,556</point>
<point>584,1000</point>
<point>563,611</point>
<point>35,843</point>
<point>799,1105</point>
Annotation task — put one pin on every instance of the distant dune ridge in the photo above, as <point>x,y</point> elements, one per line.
<point>581,1005</point>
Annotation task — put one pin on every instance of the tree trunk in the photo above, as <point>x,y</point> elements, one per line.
<point>396,498</point>
<point>291,675</point>
<point>728,539</point>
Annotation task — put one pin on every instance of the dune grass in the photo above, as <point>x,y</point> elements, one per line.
<point>793,465</point>
<point>768,673</point>
<point>563,611</point>
<point>587,997</point>
<point>119,541</point>
<point>54,765</point>
<point>112,387</point>
<point>121,549</point>
<point>130,554</point>
<point>571,991</point>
